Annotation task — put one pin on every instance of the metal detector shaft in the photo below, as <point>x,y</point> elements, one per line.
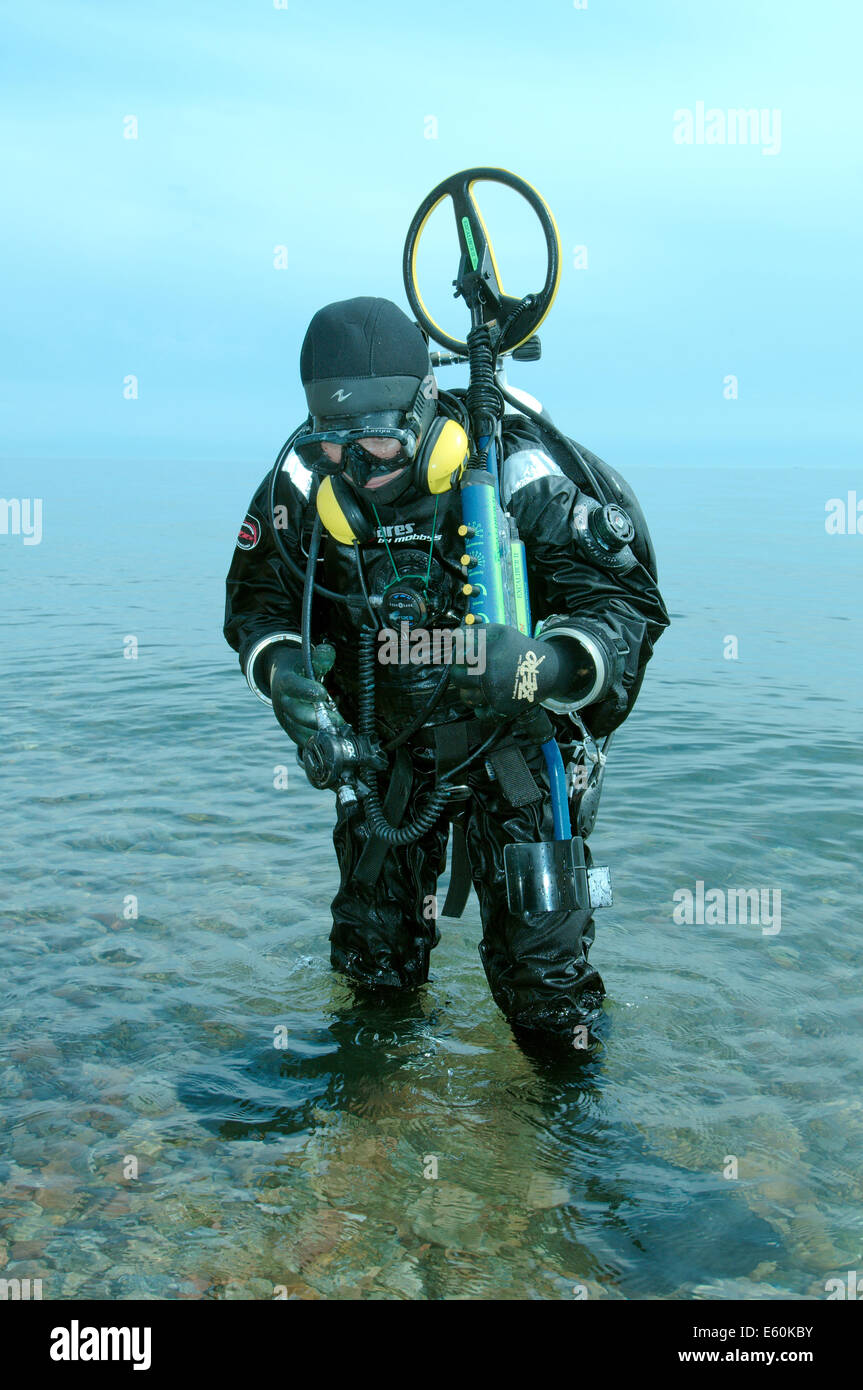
<point>544,877</point>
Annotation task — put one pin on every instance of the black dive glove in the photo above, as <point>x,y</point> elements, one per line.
<point>294,696</point>
<point>513,674</point>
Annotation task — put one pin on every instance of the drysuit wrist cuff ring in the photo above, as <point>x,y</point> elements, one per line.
<point>254,667</point>
<point>598,688</point>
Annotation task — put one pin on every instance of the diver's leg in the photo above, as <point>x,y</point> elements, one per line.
<point>536,963</point>
<point>383,933</point>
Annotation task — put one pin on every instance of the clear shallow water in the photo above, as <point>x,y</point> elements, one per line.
<point>303,1166</point>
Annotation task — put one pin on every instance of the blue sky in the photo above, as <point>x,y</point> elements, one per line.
<point>305,127</point>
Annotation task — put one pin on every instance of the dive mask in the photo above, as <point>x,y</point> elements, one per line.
<point>354,450</point>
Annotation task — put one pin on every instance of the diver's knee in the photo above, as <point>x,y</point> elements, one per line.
<point>550,1001</point>
<point>382,961</point>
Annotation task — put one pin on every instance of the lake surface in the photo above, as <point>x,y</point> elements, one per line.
<point>146,1043</point>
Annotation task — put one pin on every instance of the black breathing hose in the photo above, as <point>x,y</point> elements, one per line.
<point>420,719</point>
<point>454,407</point>
<point>483,748</point>
<point>546,424</point>
<point>483,396</point>
<point>308,593</point>
<point>361,576</point>
<point>454,570</point>
<point>527,303</point>
<point>296,570</point>
<point>411,832</point>
<point>438,692</point>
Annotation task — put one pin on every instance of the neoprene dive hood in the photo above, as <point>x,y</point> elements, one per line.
<point>367,376</point>
<point>360,357</point>
<point>374,428</point>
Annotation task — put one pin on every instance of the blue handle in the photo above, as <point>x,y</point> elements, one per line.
<point>557,782</point>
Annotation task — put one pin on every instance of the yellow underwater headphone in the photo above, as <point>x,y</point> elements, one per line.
<point>438,466</point>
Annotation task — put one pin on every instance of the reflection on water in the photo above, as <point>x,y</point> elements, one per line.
<point>194,1105</point>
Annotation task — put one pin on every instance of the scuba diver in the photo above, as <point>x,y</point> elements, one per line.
<point>358,533</point>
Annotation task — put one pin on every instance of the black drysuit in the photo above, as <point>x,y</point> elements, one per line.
<point>383,930</point>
